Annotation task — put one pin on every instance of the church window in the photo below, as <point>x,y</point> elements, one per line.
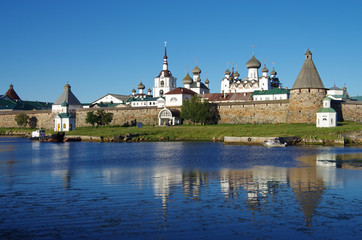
<point>331,120</point>
<point>64,126</point>
<point>161,92</point>
<point>162,83</point>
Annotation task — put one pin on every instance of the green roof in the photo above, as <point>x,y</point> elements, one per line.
<point>24,105</point>
<point>356,98</point>
<point>271,91</point>
<point>325,110</point>
<point>65,115</point>
<point>338,96</point>
<point>138,99</point>
<point>7,104</point>
<point>108,104</point>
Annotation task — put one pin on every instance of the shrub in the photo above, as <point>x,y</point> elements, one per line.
<point>100,117</point>
<point>22,119</point>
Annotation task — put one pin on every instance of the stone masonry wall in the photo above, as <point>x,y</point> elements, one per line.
<point>304,104</point>
<point>250,112</point>
<point>352,111</point>
<point>147,116</point>
<point>45,118</point>
<point>281,111</point>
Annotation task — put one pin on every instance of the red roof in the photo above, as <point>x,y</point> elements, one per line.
<point>12,94</point>
<point>181,90</point>
<point>215,97</point>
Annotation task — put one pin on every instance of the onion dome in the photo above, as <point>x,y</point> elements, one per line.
<point>273,72</point>
<point>207,81</point>
<point>141,86</point>
<point>196,70</point>
<point>253,63</point>
<point>236,74</point>
<point>187,79</point>
<point>227,72</point>
<point>265,69</point>
<point>149,90</point>
<point>133,90</point>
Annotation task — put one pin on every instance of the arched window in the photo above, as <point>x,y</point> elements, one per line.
<point>162,83</point>
<point>161,92</point>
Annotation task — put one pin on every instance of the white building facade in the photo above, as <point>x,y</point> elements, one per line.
<point>176,97</point>
<point>231,83</point>
<point>64,121</point>
<point>326,116</point>
<point>164,82</point>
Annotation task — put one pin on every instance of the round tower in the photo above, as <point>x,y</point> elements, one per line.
<point>307,93</point>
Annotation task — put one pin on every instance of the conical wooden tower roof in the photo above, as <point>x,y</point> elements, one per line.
<point>68,97</point>
<point>308,76</point>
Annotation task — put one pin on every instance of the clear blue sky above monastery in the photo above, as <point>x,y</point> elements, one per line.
<point>102,47</point>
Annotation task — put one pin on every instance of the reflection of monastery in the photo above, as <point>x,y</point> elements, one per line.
<point>254,189</point>
<point>246,99</point>
<point>258,188</point>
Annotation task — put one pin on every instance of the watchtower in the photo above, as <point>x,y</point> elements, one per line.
<point>307,93</point>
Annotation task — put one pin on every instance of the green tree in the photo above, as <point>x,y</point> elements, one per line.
<point>104,118</point>
<point>196,110</point>
<point>100,117</point>
<point>22,119</point>
<point>91,118</point>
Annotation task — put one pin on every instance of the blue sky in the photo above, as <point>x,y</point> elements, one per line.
<point>101,47</point>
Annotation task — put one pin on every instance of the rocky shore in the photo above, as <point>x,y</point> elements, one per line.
<point>352,138</point>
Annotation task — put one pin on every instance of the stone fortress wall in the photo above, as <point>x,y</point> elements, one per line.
<point>280,111</point>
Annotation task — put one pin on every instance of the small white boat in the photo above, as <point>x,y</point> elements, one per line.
<point>38,135</point>
<point>275,142</point>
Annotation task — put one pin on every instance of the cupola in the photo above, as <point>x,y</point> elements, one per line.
<point>253,63</point>
<point>196,70</point>
<point>141,86</point>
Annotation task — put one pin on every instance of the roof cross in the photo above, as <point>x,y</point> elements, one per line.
<point>253,46</point>
<point>165,43</point>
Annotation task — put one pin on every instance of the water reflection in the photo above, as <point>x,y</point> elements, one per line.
<point>200,190</point>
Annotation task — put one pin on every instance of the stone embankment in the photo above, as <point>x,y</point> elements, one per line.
<point>293,140</point>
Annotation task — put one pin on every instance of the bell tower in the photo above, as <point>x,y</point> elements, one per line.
<point>164,82</point>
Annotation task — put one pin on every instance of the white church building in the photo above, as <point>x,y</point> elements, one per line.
<point>164,82</point>
<point>64,108</point>
<point>231,83</point>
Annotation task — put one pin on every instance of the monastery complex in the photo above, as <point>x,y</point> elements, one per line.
<point>249,99</point>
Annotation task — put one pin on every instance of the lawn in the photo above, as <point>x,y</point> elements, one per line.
<point>209,132</point>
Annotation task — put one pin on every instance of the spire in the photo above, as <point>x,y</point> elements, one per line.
<point>165,67</point>
<point>165,57</point>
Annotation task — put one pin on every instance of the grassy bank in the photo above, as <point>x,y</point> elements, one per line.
<point>209,132</point>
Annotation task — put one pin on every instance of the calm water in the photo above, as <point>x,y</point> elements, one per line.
<point>177,191</point>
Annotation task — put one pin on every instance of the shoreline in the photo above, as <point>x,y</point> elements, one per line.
<point>249,140</point>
